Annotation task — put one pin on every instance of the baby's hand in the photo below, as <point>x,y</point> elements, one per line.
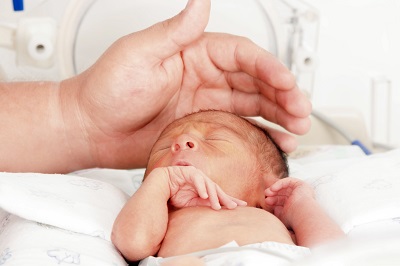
<point>191,187</point>
<point>286,195</point>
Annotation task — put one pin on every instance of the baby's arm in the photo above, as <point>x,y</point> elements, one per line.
<point>294,203</point>
<point>142,223</point>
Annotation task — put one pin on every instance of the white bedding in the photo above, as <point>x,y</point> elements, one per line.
<point>67,219</point>
<point>54,219</point>
<point>355,190</point>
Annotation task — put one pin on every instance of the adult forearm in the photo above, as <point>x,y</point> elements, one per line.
<point>37,130</point>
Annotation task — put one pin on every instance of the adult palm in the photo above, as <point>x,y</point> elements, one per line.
<point>147,79</point>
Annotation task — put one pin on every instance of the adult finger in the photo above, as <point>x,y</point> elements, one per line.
<point>286,141</point>
<point>289,109</point>
<point>293,101</point>
<point>238,54</point>
<point>246,104</point>
<point>172,35</point>
<point>296,125</point>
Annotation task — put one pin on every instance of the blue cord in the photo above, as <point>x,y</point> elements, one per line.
<point>362,146</point>
<point>18,5</point>
<point>341,131</point>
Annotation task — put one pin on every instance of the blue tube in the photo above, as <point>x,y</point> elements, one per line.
<point>18,5</point>
<point>362,146</point>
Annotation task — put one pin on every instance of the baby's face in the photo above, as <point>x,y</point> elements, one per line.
<point>212,144</point>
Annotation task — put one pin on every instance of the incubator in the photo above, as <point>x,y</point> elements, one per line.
<point>52,40</point>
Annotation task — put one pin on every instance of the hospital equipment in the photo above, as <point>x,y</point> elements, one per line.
<point>57,39</point>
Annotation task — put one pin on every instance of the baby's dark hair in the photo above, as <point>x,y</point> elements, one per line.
<point>271,157</point>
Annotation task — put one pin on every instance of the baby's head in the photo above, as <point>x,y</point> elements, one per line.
<point>239,156</point>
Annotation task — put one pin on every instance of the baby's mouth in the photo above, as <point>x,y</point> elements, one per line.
<point>182,163</point>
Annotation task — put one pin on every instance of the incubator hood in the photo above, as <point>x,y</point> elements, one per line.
<point>55,39</point>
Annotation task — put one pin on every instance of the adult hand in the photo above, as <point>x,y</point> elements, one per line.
<point>147,79</point>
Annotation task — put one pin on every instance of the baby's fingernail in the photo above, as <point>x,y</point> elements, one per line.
<point>233,205</point>
<point>204,196</point>
<point>216,206</point>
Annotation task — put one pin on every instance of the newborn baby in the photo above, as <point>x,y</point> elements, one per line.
<point>212,178</point>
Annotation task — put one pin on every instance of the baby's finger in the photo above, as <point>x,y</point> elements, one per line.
<point>276,200</point>
<point>269,193</point>
<point>200,202</point>
<point>213,195</point>
<point>278,185</point>
<point>229,201</point>
<point>199,183</point>
<point>271,201</point>
<point>239,202</point>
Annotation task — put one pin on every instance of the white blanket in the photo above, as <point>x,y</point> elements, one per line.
<point>54,219</point>
<point>357,190</point>
<point>73,203</point>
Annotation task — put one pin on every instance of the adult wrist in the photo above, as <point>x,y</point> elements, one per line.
<point>74,124</point>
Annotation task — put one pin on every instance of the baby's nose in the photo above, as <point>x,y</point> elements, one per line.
<point>184,142</point>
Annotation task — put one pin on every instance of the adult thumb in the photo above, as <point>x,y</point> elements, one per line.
<point>169,37</point>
